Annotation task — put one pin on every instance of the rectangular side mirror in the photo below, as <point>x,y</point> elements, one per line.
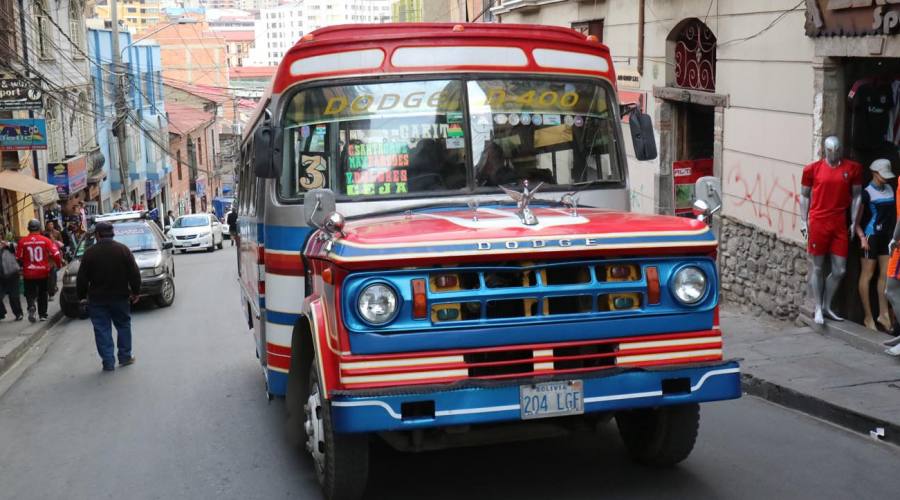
<point>642,137</point>
<point>168,245</point>
<point>267,144</point>
<point>318,204</point>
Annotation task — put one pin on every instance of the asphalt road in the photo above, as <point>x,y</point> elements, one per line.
<point>190,420</point>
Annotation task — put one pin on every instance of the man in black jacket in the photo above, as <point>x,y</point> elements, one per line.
<point>107,278</point>
<point>232,220</point>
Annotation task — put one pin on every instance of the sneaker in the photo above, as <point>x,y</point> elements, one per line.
<point>108,368</point>
<point>20,317</point>
<point>892,342</point>
<point>43,318</point>
<point>129,361</point>
<point>31,317</point>
<point>893,351</point>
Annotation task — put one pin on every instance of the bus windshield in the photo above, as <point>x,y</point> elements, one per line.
<point>379,140</point>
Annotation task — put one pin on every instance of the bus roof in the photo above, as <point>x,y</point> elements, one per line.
<point>437,48</point>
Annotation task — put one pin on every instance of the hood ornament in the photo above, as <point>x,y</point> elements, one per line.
<point>522,200</point>
<point>570,201</point>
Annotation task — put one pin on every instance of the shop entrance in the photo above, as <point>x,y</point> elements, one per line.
<point>871,130</point>
<point>694,148</point>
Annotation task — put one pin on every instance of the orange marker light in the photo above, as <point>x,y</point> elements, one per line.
<point>652,285</point>
<point>420,302</point>
<point>327,276</point>
<point>459,28</point>
<point>592,38</point>
<point>307,38</point>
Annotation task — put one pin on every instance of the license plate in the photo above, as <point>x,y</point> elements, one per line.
<point>551,399</point>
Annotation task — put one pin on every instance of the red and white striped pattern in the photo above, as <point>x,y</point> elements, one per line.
<point>359,372</point>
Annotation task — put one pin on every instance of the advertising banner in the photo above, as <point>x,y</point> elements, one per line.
<point>20,93</point>
<point>22,134</point>
<point>69,177</point>
<point>77,168</point>
<point>58,175</point>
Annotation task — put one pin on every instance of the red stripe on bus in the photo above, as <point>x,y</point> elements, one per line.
<point>278,349</point>
<point>286,264</point>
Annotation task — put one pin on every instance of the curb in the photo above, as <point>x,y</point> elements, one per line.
<point>855,335</point>
<point>26,340</point>
<point>838,415</point>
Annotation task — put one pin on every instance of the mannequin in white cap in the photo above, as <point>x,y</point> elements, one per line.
<point>828,188</point>
<point>875,227</point>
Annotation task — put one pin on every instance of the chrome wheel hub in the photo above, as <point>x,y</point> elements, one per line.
<point>315,435</point>
<point>168,290</point>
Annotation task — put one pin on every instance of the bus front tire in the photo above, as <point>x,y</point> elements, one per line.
<point>660,437</point>
<point>341,460</point>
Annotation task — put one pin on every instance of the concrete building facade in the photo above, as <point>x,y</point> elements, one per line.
<point>137,15</point>
<point>192,53</point>
<point>279,28</point>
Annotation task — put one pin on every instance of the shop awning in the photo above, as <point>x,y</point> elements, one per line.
<point>42,192</point>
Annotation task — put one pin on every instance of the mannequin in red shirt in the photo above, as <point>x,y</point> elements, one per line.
<point>830,187</point>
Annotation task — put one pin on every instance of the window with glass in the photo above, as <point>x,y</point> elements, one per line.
<point>377,140</point>
<point>192,221</point>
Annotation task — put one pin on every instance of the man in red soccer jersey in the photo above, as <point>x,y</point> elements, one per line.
<point>34,252</point>
<point>830,186</point>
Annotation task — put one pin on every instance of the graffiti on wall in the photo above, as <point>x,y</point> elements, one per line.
<point>772,198</point>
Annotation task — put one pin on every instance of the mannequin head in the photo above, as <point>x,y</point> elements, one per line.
<point>832,150</point>
<point>881,172</point>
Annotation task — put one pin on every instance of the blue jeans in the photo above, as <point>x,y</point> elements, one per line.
<point>103,316</point>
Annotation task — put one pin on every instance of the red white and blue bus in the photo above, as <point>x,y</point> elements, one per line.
<point>435,242</point>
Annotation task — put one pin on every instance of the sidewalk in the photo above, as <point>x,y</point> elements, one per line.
<point>16,337</point>
<point>838,373</point>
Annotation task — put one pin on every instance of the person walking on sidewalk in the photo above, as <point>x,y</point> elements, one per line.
<point>232,220</point>
<point>107,278</point>
<point>35,252</point>
<point>9,280</point>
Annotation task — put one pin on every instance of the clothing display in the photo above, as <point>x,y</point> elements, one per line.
<point>872,104</point>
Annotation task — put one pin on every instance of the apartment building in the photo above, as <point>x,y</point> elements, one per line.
<point>136,15</point>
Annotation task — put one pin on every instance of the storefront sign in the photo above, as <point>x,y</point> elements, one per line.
<point>69,177</point>
<point>628,78</point>
<point>852,17</point>
<point>19,93</point>
<point>201,186</point>
<point>22,134</point>
<point>152,189</point>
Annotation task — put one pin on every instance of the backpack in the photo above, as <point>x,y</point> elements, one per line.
<point>9,266</point>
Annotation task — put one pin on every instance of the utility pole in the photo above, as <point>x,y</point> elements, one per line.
<point>119,127</point>
<point>192,172</point>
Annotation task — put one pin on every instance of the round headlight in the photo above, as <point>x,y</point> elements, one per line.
<point>689,285</point>
<point>378,304</point>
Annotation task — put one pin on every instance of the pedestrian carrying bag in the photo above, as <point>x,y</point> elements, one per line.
<point>8,264</point>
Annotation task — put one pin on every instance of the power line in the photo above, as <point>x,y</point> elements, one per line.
<point>767,28</point>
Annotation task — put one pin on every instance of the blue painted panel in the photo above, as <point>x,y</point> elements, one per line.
<point>277,382</point>
<point>287,238</point>
<point>632,389</point>
<point>406,334</point>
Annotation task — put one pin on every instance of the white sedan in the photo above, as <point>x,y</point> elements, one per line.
<point>196,231</point>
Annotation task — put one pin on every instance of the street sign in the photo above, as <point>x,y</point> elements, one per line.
<point>20,93</point>
<point>28,133</point>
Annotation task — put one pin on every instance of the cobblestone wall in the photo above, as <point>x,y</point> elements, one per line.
<point>761,273</point>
